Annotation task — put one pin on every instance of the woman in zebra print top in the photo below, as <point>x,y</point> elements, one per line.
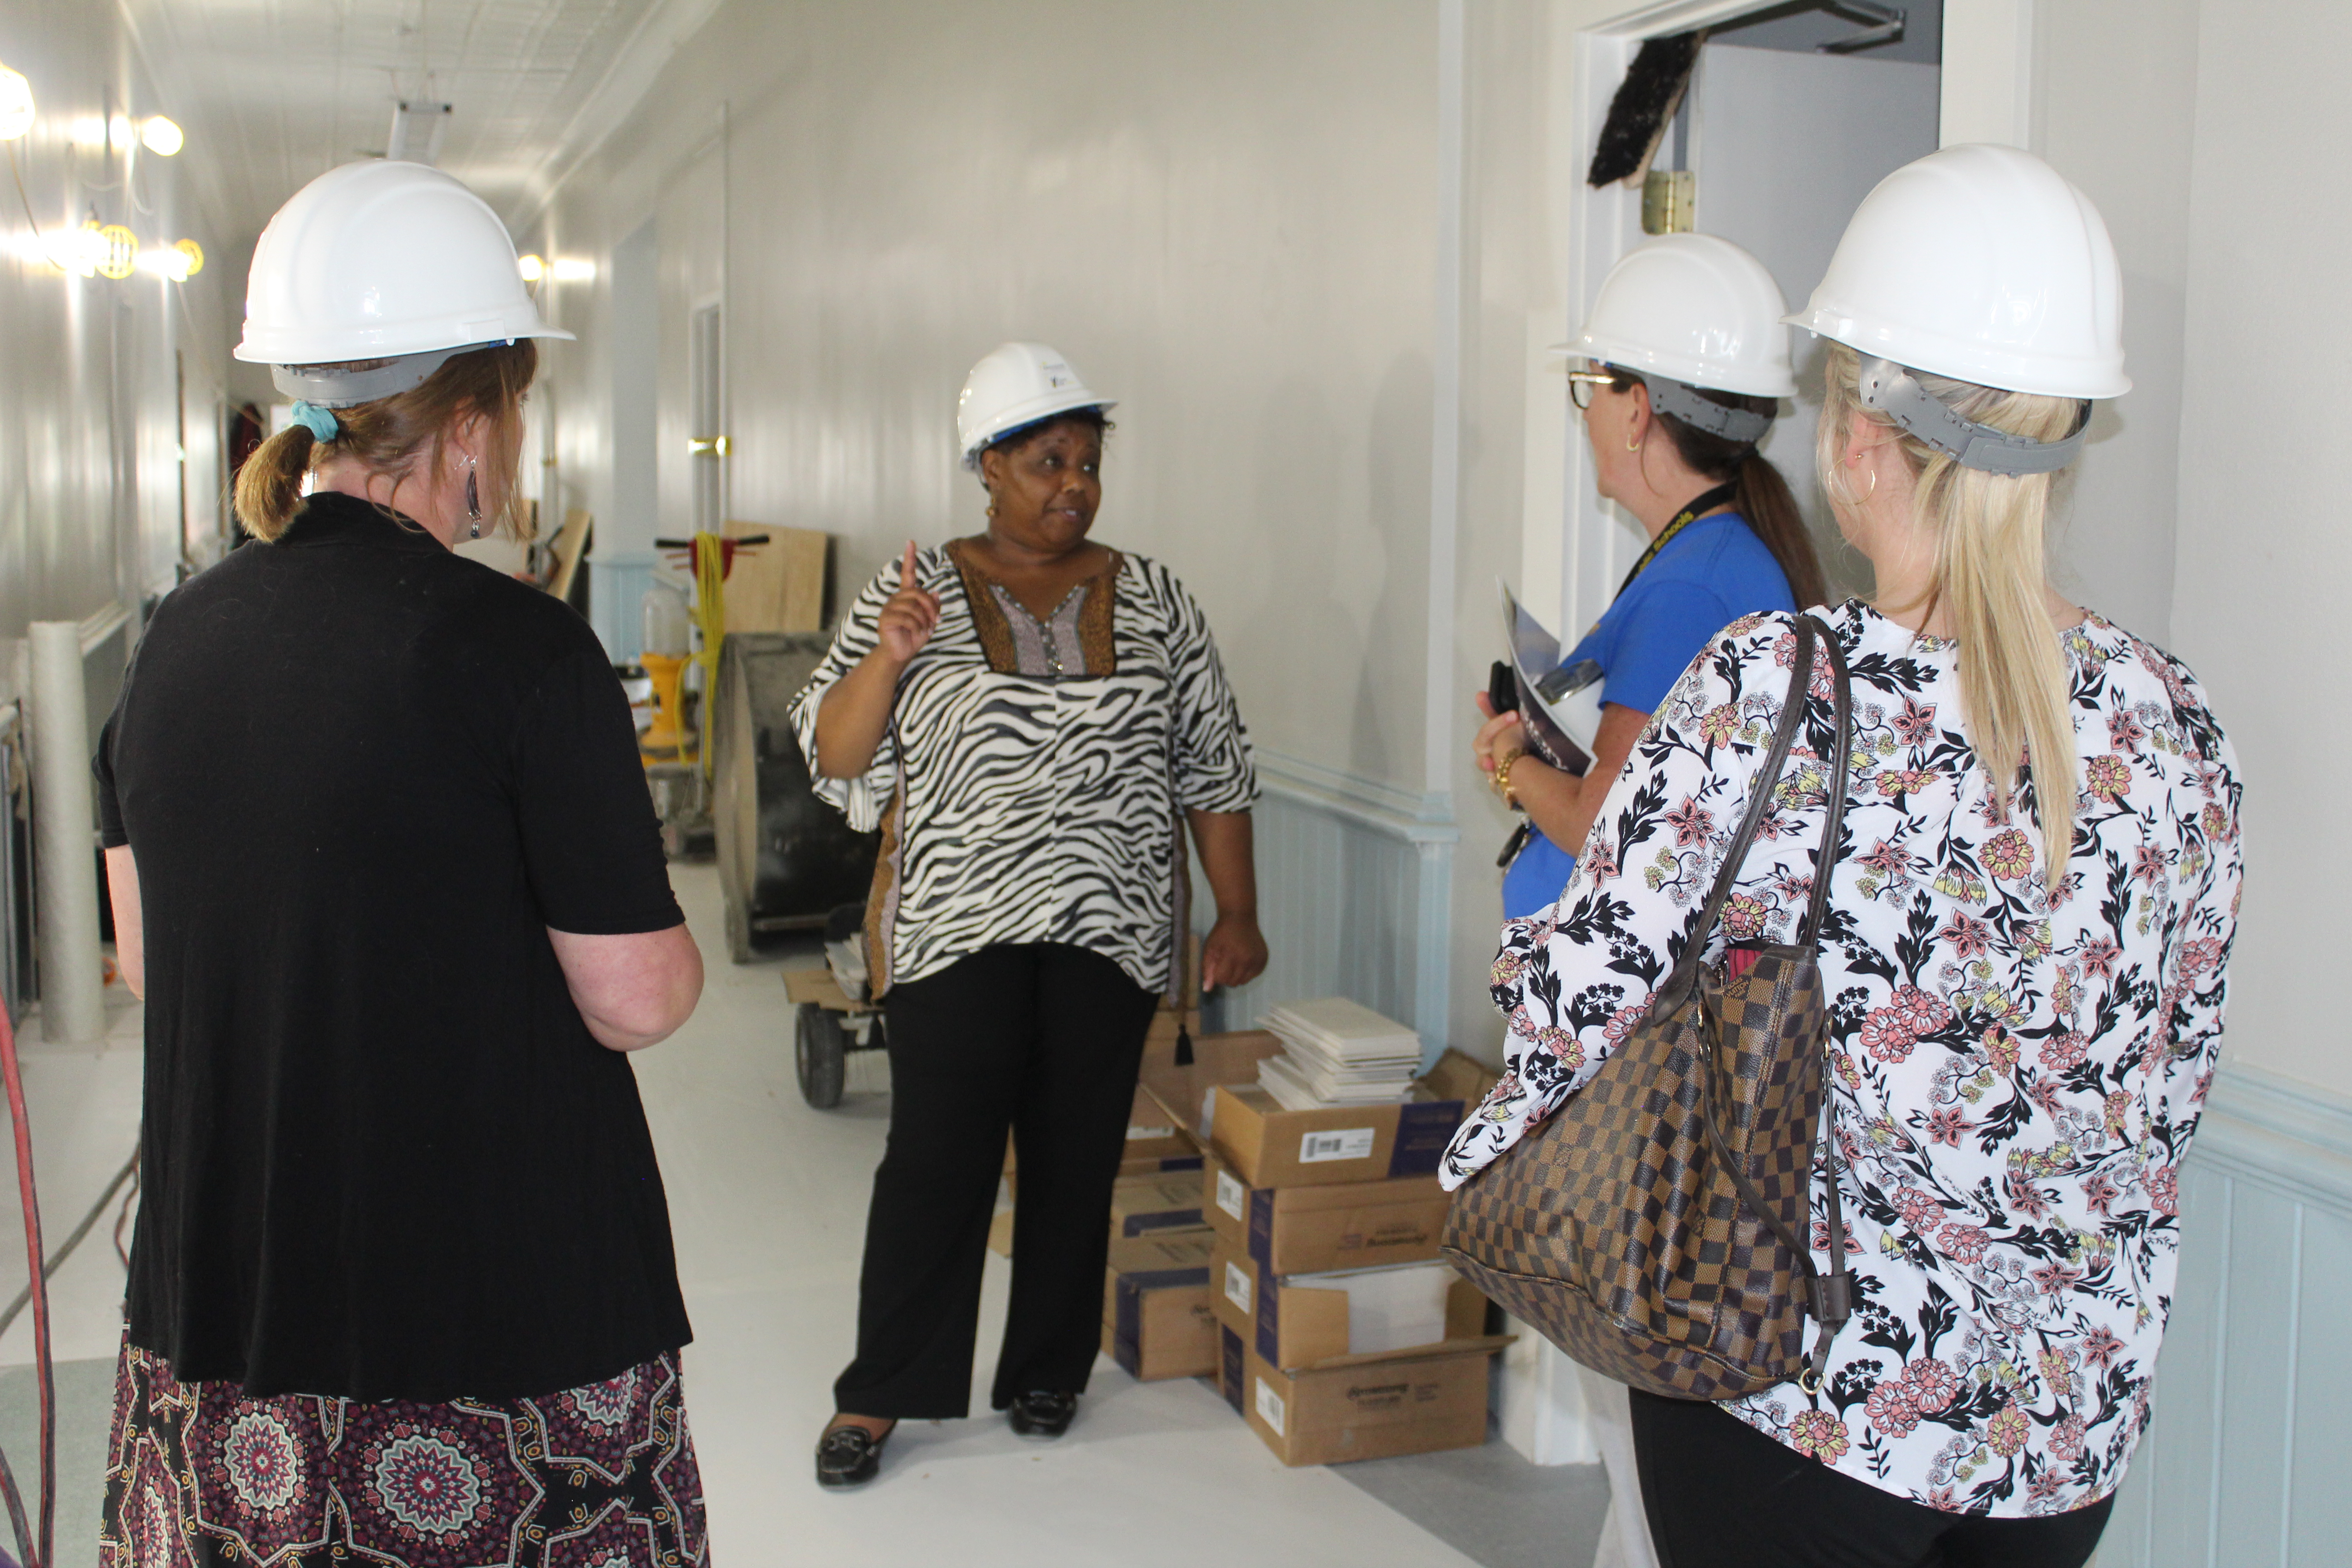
<point>1031,719</point>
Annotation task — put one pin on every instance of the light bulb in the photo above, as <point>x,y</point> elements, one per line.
<point>118,251</point>
<point>15,104</point>
<point>194,254</point>
<point>162,136</point>
<point>532,267</point>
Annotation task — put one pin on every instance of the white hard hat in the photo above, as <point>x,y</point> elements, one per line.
<point>1694,308</point>
<point>1979,263</point>
<point>382,260</point>
<point>1017,384</point>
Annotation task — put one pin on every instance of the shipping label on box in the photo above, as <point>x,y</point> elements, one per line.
<point>1232,1287</point>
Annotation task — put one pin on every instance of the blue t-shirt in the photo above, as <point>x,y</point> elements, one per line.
<point>1711,574</point>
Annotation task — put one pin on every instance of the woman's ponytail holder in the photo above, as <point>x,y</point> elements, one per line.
<point>321,421</point>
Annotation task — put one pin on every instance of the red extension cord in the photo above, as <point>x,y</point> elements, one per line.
<point>34,1257</point>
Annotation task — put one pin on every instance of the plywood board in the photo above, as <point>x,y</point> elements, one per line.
<point>779,587</point>
<point>568,545</point>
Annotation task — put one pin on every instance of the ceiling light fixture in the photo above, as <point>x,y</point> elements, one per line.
<point>574,270</point>
<point>117,132</point>
<point>532,267</point>
<point>177,262</point>
<point>162,136</point>
<point>15,104</point>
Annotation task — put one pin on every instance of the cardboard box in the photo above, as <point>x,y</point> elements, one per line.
<point>1371,1408</point>
<point>1315,1229</point>
<point>1268,1146</point>
<point>1232,1367</point>
<point>1168,1200</point>
<point>1153,1135</point>
<point>1155,1142</point>
<point>1306,1321</point>
<point>1156,1318</point>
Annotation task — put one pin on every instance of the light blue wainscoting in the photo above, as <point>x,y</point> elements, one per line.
<point>1355,894</point>
<point>2246,1459</point>
<point>616,600</point>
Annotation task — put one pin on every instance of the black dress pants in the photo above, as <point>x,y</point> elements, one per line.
<point>1045,1039</point>
<point>1720,1494</point>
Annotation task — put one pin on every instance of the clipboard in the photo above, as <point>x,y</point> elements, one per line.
<point>1559,705</point>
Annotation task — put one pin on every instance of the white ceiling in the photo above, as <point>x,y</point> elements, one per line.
<point>274,92</point>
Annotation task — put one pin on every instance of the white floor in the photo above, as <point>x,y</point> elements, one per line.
<point>767,1198</point>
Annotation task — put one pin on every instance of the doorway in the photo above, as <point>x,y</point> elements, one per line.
<point>1782,139</point>
<point>1831,126</point>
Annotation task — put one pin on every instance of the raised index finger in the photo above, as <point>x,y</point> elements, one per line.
<point>907,568</point>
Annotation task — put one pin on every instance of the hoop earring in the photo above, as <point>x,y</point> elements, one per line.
<point>473,501</point>
<point>1633,446</point>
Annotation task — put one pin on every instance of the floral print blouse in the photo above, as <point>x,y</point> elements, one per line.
<point>2017,1064</point>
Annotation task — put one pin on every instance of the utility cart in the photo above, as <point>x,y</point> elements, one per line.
<point>834,1015</point>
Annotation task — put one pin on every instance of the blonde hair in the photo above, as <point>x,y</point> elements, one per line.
<point>1992,578</point>
<point>394,435</point>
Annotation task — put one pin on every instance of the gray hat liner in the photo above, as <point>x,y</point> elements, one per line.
<point>1889,388</point>
<point>1684,402</point>
<point>339,386</point>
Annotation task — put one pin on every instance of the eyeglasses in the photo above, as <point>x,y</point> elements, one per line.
<point>1580,383</point>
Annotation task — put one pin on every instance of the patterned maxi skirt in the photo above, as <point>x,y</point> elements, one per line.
<point>600,1476</point>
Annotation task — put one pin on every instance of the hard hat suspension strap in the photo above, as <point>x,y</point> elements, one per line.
<point>1889,388</point>
<point>1684,402</point>
<point>337,386</point>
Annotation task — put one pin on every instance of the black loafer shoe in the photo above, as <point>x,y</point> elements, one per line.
<point>848,1457</point>
<point>1041,1415</point>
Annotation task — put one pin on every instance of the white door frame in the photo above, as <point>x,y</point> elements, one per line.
<point>1573,546</point>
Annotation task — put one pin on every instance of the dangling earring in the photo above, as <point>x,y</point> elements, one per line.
<point>473,500</point>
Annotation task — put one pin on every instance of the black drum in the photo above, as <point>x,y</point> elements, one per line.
<point>786,859</point>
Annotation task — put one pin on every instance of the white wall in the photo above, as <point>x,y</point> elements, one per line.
<point>90,471</point>
<point>1221,212</point>
<point>2263,551</point>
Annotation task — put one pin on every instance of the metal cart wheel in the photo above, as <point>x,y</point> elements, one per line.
<point>819,1054</point>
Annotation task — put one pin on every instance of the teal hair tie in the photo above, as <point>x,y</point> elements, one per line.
<point>321,421</point>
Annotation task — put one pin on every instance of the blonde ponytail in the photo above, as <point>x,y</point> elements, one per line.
<point>1991,580</point>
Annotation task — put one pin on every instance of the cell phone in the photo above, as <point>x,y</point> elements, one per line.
<point>1502,688</point>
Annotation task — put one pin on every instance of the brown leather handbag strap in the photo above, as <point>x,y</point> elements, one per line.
<point>1767,780</point>
<point>1841,760</point>
<point>1832,1294</point>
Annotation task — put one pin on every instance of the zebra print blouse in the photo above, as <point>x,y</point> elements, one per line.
<point>1035,807</point>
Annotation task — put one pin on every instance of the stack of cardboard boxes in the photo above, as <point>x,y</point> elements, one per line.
<point>1292,1255</point>
<point>1340,1333</point>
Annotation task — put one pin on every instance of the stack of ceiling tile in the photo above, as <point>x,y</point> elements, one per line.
<point>1337,1052</point>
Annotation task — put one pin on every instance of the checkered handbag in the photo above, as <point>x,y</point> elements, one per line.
<point>1655,1227</point>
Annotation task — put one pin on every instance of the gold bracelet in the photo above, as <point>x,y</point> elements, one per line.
<point>1503,780</point>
